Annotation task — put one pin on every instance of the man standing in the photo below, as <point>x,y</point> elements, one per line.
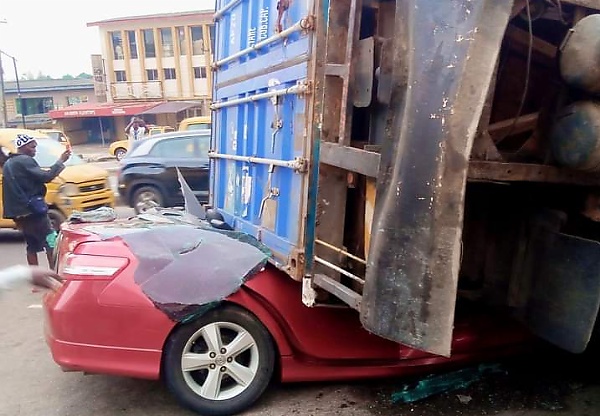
<point>23,190</point>
<point>135,130</point>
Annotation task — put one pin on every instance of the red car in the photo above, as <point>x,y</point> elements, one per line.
<point>220,361</point>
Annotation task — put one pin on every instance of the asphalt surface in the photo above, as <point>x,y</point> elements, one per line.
<point>31,384</point>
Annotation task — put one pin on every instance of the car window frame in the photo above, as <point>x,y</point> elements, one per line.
<point>195,153</point>
<point>198,147</point>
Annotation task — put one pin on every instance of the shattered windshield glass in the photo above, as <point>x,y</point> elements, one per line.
<point>185,264</point>
<point>183,269</point>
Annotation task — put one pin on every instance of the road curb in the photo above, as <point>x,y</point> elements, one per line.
<point>92,159</point>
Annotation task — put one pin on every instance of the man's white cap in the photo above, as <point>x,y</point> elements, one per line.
<point>22,140</point>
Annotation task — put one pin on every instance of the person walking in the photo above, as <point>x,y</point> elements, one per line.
<point>23,193</point>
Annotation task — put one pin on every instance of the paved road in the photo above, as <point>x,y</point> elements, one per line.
<point>32,385</point>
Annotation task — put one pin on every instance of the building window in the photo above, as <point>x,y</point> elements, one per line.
<point>170,73</point>
<point>120,76</point>
<point>117,45</point>
<point>197,40</point>
<point>166,38</point>
<point>77,100</point>
<point>149,43</point>
<point>199,72</point>
<point>132,44</point>
<point>28,106</point>
<point>212,37</point>
<point>152,74</point>
<point>181,39</point>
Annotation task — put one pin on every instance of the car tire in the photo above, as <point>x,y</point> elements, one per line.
<point>120,153</point>
<point>145,198</point>
<point>56,218</point>
<point>209,379</point>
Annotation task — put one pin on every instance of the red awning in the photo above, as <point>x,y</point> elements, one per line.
<point>102,110</point>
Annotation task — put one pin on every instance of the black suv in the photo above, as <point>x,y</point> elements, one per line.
<point>148,175</point>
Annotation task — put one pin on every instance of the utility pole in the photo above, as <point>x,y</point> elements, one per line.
<point>3,94</point>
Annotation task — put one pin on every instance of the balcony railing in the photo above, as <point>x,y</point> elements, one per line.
<point>131,90</point>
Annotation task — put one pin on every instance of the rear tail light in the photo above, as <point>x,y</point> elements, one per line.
<point>88,267</point>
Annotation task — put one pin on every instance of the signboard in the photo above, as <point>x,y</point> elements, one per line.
<point>99,78</point>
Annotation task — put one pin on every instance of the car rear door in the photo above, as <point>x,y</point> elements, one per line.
<point>200,176</point>
<point>172,153</point>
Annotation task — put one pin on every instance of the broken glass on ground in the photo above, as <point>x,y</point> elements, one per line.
<point>442,383</point>
<point>102,214</point>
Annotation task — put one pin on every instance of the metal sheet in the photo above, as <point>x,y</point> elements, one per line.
<point>565,297</point>
<point>444,57</point>
<point>364,62</point>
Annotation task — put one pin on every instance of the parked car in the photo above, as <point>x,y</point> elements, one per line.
<point>80,186</point>
<point>195,123</point>
<point>148,175</point>
<point>57,135</point>
<point>220,362</point>
<point>120,148</point>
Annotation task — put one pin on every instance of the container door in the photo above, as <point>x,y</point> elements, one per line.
<point>260,148</point>
<point>447,53</point>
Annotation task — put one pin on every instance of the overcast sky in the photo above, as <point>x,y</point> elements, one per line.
<point>51,36</point>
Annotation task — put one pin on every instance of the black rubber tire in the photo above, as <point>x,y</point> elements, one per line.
<point>56,218</point>
<point>120,153</point>
<point>173,374</point>
<point>158,198</point>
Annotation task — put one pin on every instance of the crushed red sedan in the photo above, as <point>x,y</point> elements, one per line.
<point>125,309</point>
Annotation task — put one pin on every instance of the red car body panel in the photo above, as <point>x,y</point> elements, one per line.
<point>101,325</point>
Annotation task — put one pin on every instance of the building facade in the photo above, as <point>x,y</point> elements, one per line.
<point>162,57</point>
<point>39,97</point>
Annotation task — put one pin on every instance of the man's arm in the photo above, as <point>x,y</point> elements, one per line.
<point>35,171</point>
<point>38,276</point>
<point>129,125</point>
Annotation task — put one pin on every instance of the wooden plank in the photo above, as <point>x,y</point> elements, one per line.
<point>526,122</point>
<point>350,159</point>
<point>518,7</point>
<point>524,172</point>
<point>592,4</point>
<point>521,36</point>
<point>484,148</point>
<point>367,163</point>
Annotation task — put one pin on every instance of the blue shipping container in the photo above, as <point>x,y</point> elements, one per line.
<point>259,112</point>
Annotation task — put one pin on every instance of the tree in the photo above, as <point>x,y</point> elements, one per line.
<point>68,76</point>
<point>84,75</point>
<point>27,76</point>
<point>40,75</point>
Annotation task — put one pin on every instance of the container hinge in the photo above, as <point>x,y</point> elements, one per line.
<point>308,23</point>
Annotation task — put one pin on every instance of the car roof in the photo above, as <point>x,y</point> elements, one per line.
<point>196,119</point>
<point>152,140</point>
<point>174,134</point>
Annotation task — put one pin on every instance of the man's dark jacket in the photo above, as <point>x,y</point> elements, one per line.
<point>24,172</point>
